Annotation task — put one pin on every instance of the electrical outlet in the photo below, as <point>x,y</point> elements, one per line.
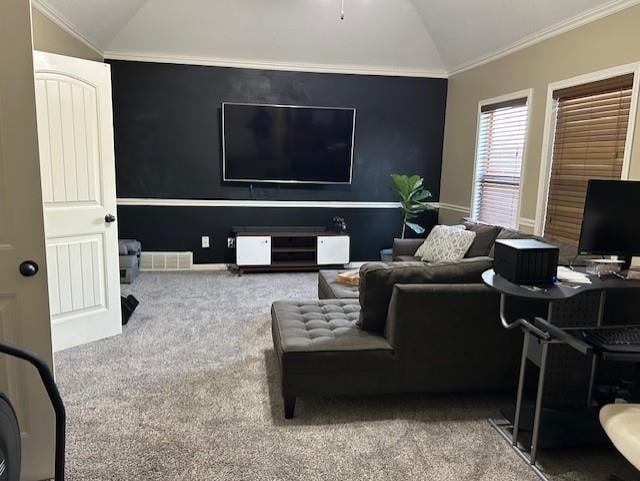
<point>205,241</point>
<point>231,242</point>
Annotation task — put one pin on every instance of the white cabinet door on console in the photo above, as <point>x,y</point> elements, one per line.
<point>253,250</point>
<point>333,249</point>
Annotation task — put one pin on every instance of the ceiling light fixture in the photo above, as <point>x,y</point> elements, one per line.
<point>342,10</point>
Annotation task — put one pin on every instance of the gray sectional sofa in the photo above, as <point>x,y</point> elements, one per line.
<point>435,338</point>
<point>414,327</point>
<point>486,235</point>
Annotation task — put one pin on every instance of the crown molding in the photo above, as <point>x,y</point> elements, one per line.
<point>329,204</point>
<point>267,65</point>
<point>57,18</point>
<point>591,15</point>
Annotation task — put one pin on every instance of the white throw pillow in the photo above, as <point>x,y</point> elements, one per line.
<point>421,250</point>
<point>446,243</point>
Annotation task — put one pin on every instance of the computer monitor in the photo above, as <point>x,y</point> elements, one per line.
<point>610,224</point>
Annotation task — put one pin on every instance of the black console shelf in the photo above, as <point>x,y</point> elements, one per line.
<point>291,248</point>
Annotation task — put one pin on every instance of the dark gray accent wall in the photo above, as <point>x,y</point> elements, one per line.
<point>180,228</point>
<point>168,144</point>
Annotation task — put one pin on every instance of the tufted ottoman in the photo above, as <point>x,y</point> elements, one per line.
<point>321,351</point>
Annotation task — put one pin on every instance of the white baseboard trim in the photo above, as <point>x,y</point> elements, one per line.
<point>225,267</point>
<point>210,267</point>
<point>328,204</point>
<point>456,208</point>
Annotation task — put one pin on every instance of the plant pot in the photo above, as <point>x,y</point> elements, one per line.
<point>386,255</point>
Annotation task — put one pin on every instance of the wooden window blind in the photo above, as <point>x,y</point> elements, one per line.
<point>501,138</point>
<point>589,143</point>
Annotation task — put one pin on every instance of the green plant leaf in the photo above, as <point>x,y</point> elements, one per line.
<point>418,229</point>
<point>415,181</point>
<point>413,198</point>
<point>401,183</point>
<point>421,195</point>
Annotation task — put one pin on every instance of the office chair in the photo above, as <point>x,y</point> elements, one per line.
<point>621,422</point>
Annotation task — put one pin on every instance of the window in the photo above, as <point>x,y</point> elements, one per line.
<point>591,122</point>
<point>501,139</point>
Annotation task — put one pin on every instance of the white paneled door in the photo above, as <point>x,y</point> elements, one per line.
<point>77,164</point>
<point>24,307</point>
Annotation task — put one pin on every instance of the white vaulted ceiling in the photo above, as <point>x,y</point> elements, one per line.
<point>411,36</point>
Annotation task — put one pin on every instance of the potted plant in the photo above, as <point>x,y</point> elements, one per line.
<point>413,200</point>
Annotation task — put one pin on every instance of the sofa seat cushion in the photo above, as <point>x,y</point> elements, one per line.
<point>329,288</point>
<point>321,351</point>
<point>322,326</point>
<point>321,338</point>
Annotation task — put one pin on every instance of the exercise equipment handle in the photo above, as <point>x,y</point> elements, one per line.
<point>54,396</point>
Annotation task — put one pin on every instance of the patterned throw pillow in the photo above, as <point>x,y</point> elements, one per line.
<point>422,249</point>
<point>446,243</point>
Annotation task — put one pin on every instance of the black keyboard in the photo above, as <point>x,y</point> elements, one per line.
<point>626,339</point>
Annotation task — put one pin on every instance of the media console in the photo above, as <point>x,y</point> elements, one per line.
<point>261,249</point>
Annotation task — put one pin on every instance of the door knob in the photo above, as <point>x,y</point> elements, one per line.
<point>29,268</point>
<point>109,218</point>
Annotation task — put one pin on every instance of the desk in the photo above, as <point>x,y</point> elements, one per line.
<point>540,333</point>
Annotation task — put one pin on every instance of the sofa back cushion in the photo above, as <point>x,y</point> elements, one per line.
<point>512,234</point>
<point>378,278</point>
<point>486,235</point>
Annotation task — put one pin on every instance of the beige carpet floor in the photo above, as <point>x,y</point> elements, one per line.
<point>190,392</point>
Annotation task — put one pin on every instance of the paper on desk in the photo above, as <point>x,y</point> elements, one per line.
<point>567,275</point>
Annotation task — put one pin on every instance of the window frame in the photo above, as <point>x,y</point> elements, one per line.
<point>546,160</point>
<point>520,94</point>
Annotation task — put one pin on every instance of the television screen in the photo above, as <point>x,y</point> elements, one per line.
<point>280,143</point>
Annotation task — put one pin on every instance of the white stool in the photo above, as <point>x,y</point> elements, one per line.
<point>621,422</point>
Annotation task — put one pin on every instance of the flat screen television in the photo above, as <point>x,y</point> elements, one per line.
<point>286,143</point>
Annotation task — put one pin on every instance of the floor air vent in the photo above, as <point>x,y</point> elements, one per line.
<point>166,261</point>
